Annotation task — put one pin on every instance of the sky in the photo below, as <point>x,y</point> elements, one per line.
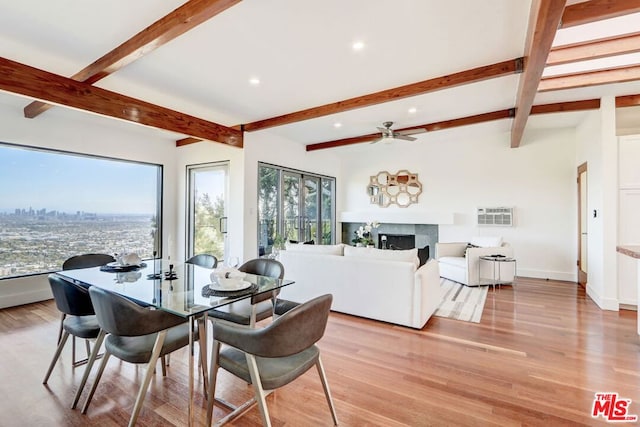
<point>69,183</point>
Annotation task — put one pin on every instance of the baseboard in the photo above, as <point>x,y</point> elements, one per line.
<point>604,303</point>
<point>552,275</point>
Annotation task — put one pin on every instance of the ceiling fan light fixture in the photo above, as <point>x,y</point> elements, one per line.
<point>388,139</point>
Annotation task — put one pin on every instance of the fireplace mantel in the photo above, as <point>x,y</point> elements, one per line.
<point>397,217</point>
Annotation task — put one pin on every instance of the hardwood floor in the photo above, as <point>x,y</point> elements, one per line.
<point>536,359</point>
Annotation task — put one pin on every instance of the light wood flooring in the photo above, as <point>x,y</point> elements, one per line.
<point>536,359</point>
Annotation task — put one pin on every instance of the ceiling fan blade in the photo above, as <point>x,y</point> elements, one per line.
<point>403,137</point>
<point>376,140</point>
<point>411,131</point>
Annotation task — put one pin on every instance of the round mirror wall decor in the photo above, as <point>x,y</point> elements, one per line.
<point>402,188</point>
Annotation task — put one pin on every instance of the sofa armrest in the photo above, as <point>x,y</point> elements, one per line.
<point>427,292</point>
<point>453,249</point>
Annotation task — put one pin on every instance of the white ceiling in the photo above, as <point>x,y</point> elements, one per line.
<point>301,50</point>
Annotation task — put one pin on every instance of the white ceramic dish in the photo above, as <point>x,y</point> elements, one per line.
<point>236,285</point>
<point>116,264</point>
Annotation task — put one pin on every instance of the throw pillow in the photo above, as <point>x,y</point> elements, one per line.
<point>318,249</point>
<point>408,255</point>
<point>308,242</point>
<point>423,255</point>
<point>487,241</point>
<point>469,245</point>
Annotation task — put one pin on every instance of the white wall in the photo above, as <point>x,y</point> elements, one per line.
<point>69,130</point>
<point>271,148</point>
<point>459,175</point>
<point>588,135</point>
<point>597,145</point>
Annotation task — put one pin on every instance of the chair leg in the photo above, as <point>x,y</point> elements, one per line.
<point>86,342</point>
<point>163,362</point>
<point>64,316</point>
<point>157,348</point>
<point>56,356</point>
<point>259,391</point>
<point>327,392</point>
<point>73,351</point>
<point>87,369</point>
<point>213,375</point>
<point>103,364</point>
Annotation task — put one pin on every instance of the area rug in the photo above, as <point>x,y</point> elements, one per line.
<point>461,302</point>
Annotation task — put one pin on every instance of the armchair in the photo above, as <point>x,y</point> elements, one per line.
<point>459,261</point>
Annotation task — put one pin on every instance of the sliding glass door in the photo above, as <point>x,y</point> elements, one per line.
<point>207,212</point>
<point>294,206</point>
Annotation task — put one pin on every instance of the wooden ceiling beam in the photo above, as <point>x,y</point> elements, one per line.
<point>627,101</point>
<point>560,107</point>
<point>544,19</point>
<point>186,141</point>
<point>457,79</point>
<point>176,23</point>
<point>593,49</point>
<point>39,84</point>
<point>590,78</point>
<point>564,107</point>
<point>446,124</point>
<point>597,10</point>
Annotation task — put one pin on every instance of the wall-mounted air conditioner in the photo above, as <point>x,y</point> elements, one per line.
<point>500,216</point>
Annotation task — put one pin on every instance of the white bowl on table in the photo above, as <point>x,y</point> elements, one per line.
<point>229,279</point>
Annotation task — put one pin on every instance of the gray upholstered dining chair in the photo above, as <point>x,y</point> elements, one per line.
<point>136,335</point>
<point>273,356</point>
<point>249,311</point>
<point>86,261</point>
<point>72,263</point>
<point>79,318</point>
<point>203,260</point>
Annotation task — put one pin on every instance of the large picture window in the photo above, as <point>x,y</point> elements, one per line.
<point>294,206</point>
<point>57,204</point>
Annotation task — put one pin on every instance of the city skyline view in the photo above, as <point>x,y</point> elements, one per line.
<point>68,183</point>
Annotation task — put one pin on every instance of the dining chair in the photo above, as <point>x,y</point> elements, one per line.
<point>72,263</point>
<point>273,356</point>
<point>86,261</point>
<point>138,335</point>
<point>79,317</point>
<point>249,311</point>
<point>203,260</point>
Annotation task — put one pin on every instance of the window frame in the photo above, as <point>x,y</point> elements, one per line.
<point>322,179</point>
<point>157,249</point>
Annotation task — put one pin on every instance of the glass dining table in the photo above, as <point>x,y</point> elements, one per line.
<point>181,289</point>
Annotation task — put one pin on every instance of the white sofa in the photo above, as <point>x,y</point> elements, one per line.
<point>460,263</point>
<point>373,283</point>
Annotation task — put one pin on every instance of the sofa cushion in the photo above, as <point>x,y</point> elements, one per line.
<point>407,255</point>
<point>486,241</point>
<point>315,249</point>
<point>454,261</point>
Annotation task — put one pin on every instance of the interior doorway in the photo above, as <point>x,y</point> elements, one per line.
<point>583,216</point>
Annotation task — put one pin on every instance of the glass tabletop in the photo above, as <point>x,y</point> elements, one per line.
<point>181,293</point>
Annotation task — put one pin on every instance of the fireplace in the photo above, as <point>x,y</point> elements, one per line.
<point>396,241</point>
<point>399,236</point>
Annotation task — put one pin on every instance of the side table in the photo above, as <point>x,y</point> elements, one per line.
<point>496,261</point>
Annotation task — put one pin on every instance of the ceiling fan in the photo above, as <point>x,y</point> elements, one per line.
<point>389,135</point>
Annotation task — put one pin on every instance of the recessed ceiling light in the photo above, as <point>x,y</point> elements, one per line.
<point>413,110</point>
<point>254,81</point>
<point>359,45</point>
<point>337,125</point>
